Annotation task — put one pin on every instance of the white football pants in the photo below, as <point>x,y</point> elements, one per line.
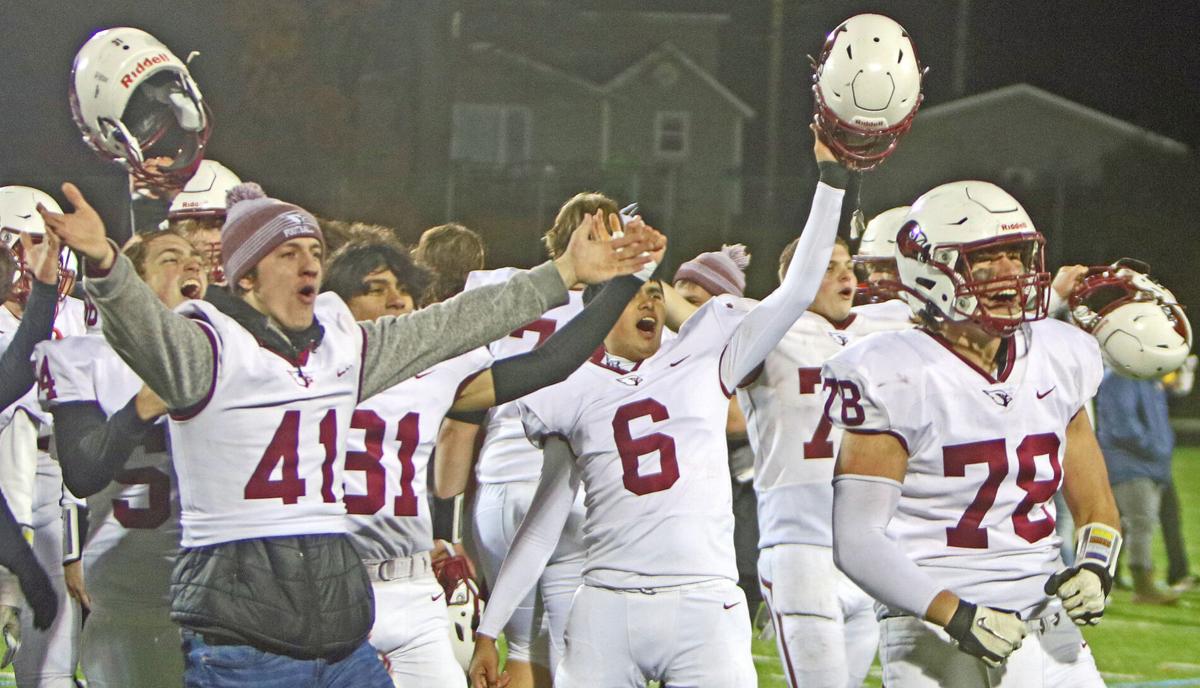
<point>688,636</point>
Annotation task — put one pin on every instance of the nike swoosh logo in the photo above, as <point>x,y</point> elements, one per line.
<point>681,361</point>
<point>1042,395</point>
<point>24,217</point>
<point>437,597</point>
<point>418,376</point>
<point>343,371</point>
<point>731,605</point>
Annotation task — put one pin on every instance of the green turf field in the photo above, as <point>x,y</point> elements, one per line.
<point>1135,646</point>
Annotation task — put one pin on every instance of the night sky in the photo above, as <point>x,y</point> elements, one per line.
<point>1137,61</point>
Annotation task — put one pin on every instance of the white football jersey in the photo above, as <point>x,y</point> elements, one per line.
<point>506,454</point>
<point>985,451</point>
<point>794,444</point>
<point>651,452</point>
<point>16,473</point>
<point>262,455</point>
<point>68,322</point>
<point>133,523</point>
<point>391,439</point>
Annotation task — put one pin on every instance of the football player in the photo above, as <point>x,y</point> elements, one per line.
<point>24,574</point>
<point>386,465</point>
<point>32,479</point>
<point>507,471</point>
<point>824,625</point>
<point>452,252</point>
<point>958,434</point>
<point>262,381</point>
<point>646,422</point>
<point>111,444</point>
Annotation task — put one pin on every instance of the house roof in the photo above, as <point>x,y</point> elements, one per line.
<point>1017,92</point>
<point>666,51</point>
<point>669,51</point>
<point>521,60</point>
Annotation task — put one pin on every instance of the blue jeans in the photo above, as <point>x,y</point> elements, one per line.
<point>243,666</point>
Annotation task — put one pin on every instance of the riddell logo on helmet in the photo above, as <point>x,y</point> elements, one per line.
<point>870,122</point>
<point>1012,226</point>
<point>128,79</point>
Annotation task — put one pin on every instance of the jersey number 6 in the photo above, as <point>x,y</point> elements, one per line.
<point>631,449</point>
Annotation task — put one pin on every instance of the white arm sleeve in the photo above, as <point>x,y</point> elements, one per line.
<point>862,507</point>
<point>537,536</point>
<point>18,466</point>
<point>759,333</point>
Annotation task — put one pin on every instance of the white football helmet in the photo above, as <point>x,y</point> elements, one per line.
<point>133,100</point>
<point>1142,330</point>
<point>18,213</point>
<point>465,608</point>
<point>877,256</point>
<point>204,193</point>
<point>866,89</point>
<point>945,252</point>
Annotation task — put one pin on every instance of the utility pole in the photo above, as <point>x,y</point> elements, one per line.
<point>774,85</point>
<point>962,37</point>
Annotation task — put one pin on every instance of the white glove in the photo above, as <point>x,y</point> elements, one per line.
<point>1082,591</point>
<point>989,634</point>
<point>1084,587</point>
<point>10,628</point>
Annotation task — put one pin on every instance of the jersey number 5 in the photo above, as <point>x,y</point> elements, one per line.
<point>631,449</point>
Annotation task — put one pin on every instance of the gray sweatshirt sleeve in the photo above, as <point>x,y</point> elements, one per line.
<point>398,347</point>
<point>171,353</point>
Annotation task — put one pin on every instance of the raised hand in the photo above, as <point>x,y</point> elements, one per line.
<point>42,256</point>
<point>81,230</point>
<point>1067,279</point>
<point>591,259</point>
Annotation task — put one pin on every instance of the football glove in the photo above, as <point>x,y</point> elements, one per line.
<point>1084,587</point>
<point>989,634</point>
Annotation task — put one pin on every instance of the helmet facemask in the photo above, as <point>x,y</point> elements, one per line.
<point>21,284</point>
<point>999,305</point>
<point>875,290</point>
<point>1142,330</point>
<point>162,119</point>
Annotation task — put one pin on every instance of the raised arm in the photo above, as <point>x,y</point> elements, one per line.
<point>400,346</point>
<point>170,353</point>
<point>769,321</point>
<point>552,362</point>
<point>16,375</point>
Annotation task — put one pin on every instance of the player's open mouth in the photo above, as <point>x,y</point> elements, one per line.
<point>847,293</point>
<point>308,293</point>
<point>647,325</point>
<point>190,288</point>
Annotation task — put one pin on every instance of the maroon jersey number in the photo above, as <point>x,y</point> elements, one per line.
<point>370,462</point>
<point>158,499</point>
<point>283,450</point>
<point>955,458</point>
<point>631,449</point>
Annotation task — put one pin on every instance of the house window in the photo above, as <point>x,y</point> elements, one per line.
<point>492,134</point>
<point>671,131</point>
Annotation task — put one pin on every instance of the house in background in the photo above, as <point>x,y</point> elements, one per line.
<point>536,121</point>
<point>1058,157</point>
